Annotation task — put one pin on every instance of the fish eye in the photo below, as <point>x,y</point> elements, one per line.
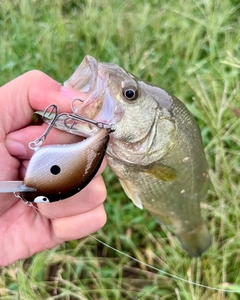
<point>130,93</point>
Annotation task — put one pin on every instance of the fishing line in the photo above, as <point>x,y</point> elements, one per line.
<point>137,260</point>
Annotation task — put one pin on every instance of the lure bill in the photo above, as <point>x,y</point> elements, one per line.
<point>14,187</point>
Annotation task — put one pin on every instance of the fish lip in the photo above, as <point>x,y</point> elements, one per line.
<point>91,81</point>
<point>85,76</point>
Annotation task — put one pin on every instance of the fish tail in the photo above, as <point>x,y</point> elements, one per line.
<point>197,241</point>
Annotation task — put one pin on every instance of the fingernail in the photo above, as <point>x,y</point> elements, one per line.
<point>71,94</point>
<point>16,148</point>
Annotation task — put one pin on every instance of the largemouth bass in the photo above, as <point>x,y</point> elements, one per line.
<point>156,150</point>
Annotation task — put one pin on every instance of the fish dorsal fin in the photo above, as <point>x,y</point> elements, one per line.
<point>161,172</point>
<point>130,193</point>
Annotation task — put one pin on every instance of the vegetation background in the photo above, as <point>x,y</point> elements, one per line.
<point>192,49</point>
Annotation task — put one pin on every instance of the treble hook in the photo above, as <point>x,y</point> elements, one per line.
<point>72,103</point>
<point>101,125</point>
<point>38,142</point>
<point>76,116</point>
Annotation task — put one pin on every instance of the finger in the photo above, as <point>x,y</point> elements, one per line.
<point>9,165</point>
<point>31,91</point>
<point>88,199</point>
<point>53,92</point>
<point>7,200</point>
<point>78,226</point>
<point>17,142</point>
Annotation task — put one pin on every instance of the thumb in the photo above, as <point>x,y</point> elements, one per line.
<point>31,91</point>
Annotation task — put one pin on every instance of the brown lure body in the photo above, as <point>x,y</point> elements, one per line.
<point>60,171</point>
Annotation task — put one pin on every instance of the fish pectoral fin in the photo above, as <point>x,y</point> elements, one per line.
<point>130,193</point>
<point>161,172</point>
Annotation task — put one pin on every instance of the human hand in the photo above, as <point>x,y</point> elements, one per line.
<point>23,231</point>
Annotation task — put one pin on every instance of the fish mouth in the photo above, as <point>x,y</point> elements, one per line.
<point>85,80</point>
<point>91,82</point>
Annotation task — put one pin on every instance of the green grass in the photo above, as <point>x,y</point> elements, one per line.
<point>192,49</point>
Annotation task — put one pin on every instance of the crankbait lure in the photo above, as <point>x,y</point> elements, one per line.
<point>56,172</point>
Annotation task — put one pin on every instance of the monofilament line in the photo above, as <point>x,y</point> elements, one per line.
<point>150,266</point>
